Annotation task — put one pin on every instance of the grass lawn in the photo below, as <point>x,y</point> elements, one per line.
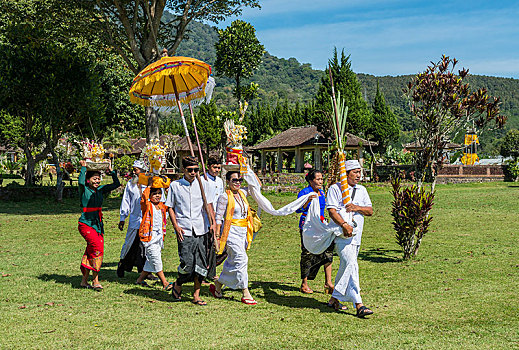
<point>461,292</point>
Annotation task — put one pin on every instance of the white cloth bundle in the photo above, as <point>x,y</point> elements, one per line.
<point>318,235</point>
<point>264,204</point>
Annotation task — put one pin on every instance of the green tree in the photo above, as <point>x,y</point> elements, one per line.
<point>209,124</point>
<point>134,29</point>
<point>510,144</point>
<point>384,126</point>
<point>47,88</point>
<point>238,55</point>
<point>443,105</point>
<point>345,81</point>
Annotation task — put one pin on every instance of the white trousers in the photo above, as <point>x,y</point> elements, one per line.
<point>234,273</point>
<point>347,288</point>
<point>128,241</point>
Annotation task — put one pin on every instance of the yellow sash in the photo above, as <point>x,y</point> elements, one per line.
<point>247,222</point>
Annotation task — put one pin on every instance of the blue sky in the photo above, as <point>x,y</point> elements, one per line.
<point>392,37</point>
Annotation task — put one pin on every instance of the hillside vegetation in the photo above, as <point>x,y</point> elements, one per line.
<point>283,80</point>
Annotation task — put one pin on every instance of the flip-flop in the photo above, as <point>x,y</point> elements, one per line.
<point>97,287</point>
<point>306,290</point>
<point>363,311</point>
<point>212,290</point>
<point>249,301</point>
<point>199,302</point>
<point>88,286</point>
<point>143,284</point>
<point>169,286</point>
<point>339,306</point>
<point>176,295</point>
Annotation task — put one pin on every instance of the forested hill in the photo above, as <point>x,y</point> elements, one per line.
<point>287,79</point>
<point>278,78</point>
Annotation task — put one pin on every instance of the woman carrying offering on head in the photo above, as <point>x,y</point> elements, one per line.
<point>311,263</point>
<point>90,224</point>
<point>234,222</point>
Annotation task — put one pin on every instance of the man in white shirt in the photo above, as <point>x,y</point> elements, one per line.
<point>192,225</point>
<point>351,218</point>
<point>214,166</point>
<point>132,252</point>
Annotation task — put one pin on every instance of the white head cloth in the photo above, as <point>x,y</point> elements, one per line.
<point>140,164</point>
<point>352,164</point>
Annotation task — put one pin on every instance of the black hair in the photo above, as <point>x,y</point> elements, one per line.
<point>189,161</point>
<point>92,173</point>
<point>212,161</point>
<point>230,173</point>
<point>154,190</point>
<point>311,175</point>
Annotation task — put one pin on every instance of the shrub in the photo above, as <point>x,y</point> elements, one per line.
<point>511,170</point>
<point>410,211</point>
<point>123,164</point>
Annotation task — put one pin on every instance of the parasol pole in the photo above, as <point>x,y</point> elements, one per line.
<point>339,136</point>
<point>206,207</point>
<point>197,140</point>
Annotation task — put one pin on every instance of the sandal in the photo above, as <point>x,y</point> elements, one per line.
<point>88,286</point>
<point>168,287</point>
<point>337,306</point>
<point>214,292</point>
<point>249,301</point>
<point>97,287</point>
<point>176,295</point>
<point>363,311</point>
<point>328,290</point>
<point>199,302</point>
<point>143,284</point>
<point>306,290</point>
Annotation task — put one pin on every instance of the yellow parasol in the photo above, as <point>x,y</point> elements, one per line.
<point>171,81</point>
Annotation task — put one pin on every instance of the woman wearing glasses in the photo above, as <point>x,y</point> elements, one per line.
<point>233,213</point>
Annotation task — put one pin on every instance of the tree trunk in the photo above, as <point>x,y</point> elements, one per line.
<point>152,124</point>
<point>59,177</point>
<point>29,173</point>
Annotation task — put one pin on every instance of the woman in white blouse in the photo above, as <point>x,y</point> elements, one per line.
<point>234,223</point>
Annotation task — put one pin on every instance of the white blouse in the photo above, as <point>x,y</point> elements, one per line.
<point>240,207</point>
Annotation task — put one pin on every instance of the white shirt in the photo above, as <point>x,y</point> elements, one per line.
<point>131,205</point>
<point>218,187</point>
<point>334,201</point>
<point>186,200</point>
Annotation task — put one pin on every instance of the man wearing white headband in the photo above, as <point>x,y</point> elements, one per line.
<point>132,252</point>
<point>350,217</point>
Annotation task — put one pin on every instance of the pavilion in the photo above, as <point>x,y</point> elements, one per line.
<point>296,141</point>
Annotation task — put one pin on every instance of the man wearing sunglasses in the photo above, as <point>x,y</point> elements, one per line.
<point>192,225</point>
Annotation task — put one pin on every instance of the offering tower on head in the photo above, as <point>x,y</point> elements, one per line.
<point>235,136</point>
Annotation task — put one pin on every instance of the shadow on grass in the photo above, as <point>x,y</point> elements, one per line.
<point>49,206</point>
<point>280,294</point>
<point>380,255</point>
<point>75,280</point>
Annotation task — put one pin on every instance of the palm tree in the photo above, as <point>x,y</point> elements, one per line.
<point>116,141</point>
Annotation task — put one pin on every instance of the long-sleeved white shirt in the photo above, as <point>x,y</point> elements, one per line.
<point>131,205</point>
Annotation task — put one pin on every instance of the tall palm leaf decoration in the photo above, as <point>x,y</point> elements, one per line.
<point>340,115</point>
